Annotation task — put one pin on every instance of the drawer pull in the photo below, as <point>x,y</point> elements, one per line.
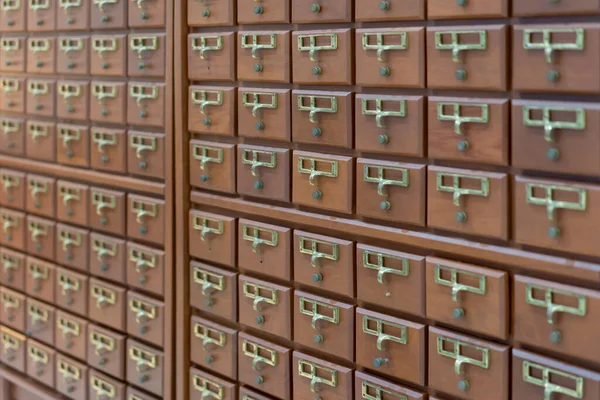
<point>252,350</point>
<point>549,125</point>
<point>9,127</point>
<point>253,291</point>
<point>103,139</point>
<point>38,88</point>
<point>460,359</point>
<point>69,239</point>
<point>143,209</point>
<point>39,45</point>
<point>38,356</point>
<point>312,107</point>
<point>37,314</point>
<point>9,181</point>
<point>380,267</point>
<point>143,311</point>
<point>203,278</point>
<point>207,155</point>
<point>68,194</point>
<point>36,229</point>
<point>36,188</point>
<point>380,45</point>
<point>379,111</point>
<point>102,388</point>
<point>102,343</point>
<point>201,98</point>
<point>379,392</point>
<point>68,327</point>
<point>68,45</point>
<point>313,312</point>
<point>312,47</point>
<point>103,91</point>
<point>458,119</point>
<point>11,5</point>
<point>9,262</point>
<point>144,359</point>
<point>69,135</point>
<point>381,336</point>
<point>38,272</point>
<point>102,201</point>
<point>143,43</point>
<point>256,46</point>
<point>102,249</point>
<point>10,44</point>
<point>315,255</point>
<point>458,192</point>
<point>457,287</point>
<point>66,4</point>
<point>9,343</point>
<point>549,387</point>
<point>202,224</point>
<point>256,104</point>
<point>142,144</point>
<point>455,46</point>
<point>313,171</point>
<point>548,46</point>
<point>309,370</point>
<point>10,302</point>
<point>67,91</point>
<point>68,284</point>
<point>9,222</point>
<point>36,5</point>
<point>382,182</point>
<point>69,372</point>
<point>208,388</point>
<point>133,396</point>
<point>143,261</point>
<point>143,92</point>
<point>253,158</point>
<point>101,46</point>
<point>204,333</point>
<point>201,45</point>
<point>252,234</point>
<point>102,3</point>
<point>103,296</point>
<point>10,85</point>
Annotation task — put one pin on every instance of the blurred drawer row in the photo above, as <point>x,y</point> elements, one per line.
<point>225,13</point>
<point>136,363</point>
<point>546,135</point>
<point>113,150</point>
<point>104,303</point>
<point>458,365</point>
<point>134,103</point>
<point>450,57</point>
<point>73,15</point>
<point>134,55</point>
<point>553,316</point>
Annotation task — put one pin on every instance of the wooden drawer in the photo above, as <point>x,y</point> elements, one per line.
<point>146,55</point>
<point>214,290</point>
<point>146,154</point>
<point>146,219</point>
<point>264,56</point>
<point>71,291</point>
<point>315,378</point>
<point>14,229</point>
<point>13,137</point>
<point>102,387</point>
<point>71,378</point>
<point>266,12</point>
<point>107,257</point>
<point>212,237</point>
<point>40,140</point>
<point>72,100</point>
<point>211,56</point>
<point>72,202</point>
<point>107,304</point>
<point>41,194</point>
<point>145,268</point>
<point>14,186</point>
<point>145,318</point>
<point>211,13</point>
<point>41,15</point>
<point>41,236</point>
<point>73,145</point>
<point>13,19</point>
<point>369,386</point>
<point>203,385</point>
<point>107,211</point>
<point>72,55</point>
<point>314,12</point>
<point>439,9</point>
<point>212,110</point>
<point>41,55</point>
<point>543,7</point>
<point>13,269</point>
<point>12,54</point>
<point>145,367</point>
<point>147,14</point>
<point>70,16</point>
<point>40,321</point>
<point>40,279</point>
<point>108,102</point>
<point>146,104</point>
<point>264,172</point>
<point>247,394</point>
<point>41,363</point>
<point>108,150</point>
<point>106,351</point>
<point>13,309</point>
<point>12,98</point>
<point>70,335</point>
<point>14,349</point>
<point>109,15</point>
<point>214,346</point>
<point>41,97</point>
<point>264,113</point>
<point>389,10</point>
<point>212,166</point>
<point>72,246</point>
<point>108,55</point>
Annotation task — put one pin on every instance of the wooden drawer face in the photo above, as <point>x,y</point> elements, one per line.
<point>40,97</point>
<point>13,139</point>
<point>391,279</point>
<point>107,102</point>
<point>41,53</point>
<point>101,386</point>
<point>267,12</point>
<point>13,19</point>
<point>106,351</point>
<point>146,219</point>
<point>108,55</point>
<point>468,129</point>
<point>145,318</point>
<point>41,15</point>
<point>40,140</point>
<point>72,55</point>
<point>391,191</point>
<point>70,335</point>
<point>314,377</point>
<point>467,201</point>
<point>73,15</point>
<point>71,291</point>
<point>146,104</point>
<point>265,306</point>
<point>468,296</point>
<point>214,290</point>
<point>107,304</point>
<point>72,246</point>
<point>146,55</point>
<point>147,14</point>
<point>323,57</point>
<point>212,109</point>
<point>13,269</point>
<point>264,366</point>
<point>391,346</point>
<point>263,172</point>
<point>536,376</point>
<point>324,262</point>
<point>214,346</point>
<point>145,367</point>
<point>556,136</point>
<point>323,181</point>
<point>71,377</point>
<point>14,349</point>
<point>466,367</point>
<point>212,166</point>
<point>108,149</point>
<point>107,211</point>
<point>559,215</point>
<point>14,228</point>
<point>211,57</point>
<point>72,100</point>
<point>12,98</point>
<point>109,15</point>
<point>107,257</point>
<point>439,9</point>
<point>552,54</point>
<point>323,118</point>
<point>264,113</point>
<point>212,237</point>
<point>12,54</point>
<point>145,268</point>
<point>265,249</point>
<point>324,325</point>
<point>247,394</point>
<point>203,385</point>
<point>369,386</point>
<point>556,317</point>
<point>39,322</point>
<point>14,186</point>
<point>389,10</point>
<point>13,309</point>
<point>385,58</point>
<point>264,56</point>
<point>73,145</point>
<point>467,57</point>
<point>40,279</point>
<point>41,235</point>
<point>312,12</point>
<point>211,13</point>
<point>542,7</point>
<point>71,203</point>
<point>146,154</point>
<point>41,363</point>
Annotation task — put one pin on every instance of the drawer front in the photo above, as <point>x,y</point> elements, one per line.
<point>41,15</point>
<point>14,189</point>
<point>556,316</point>
<point>145,268</point>
<point>147,14</point>
<point>70,335</point>
<point>214,290</point>
<point>146,104</point>
<point>212,166</point>
<point>466,367</point>
<point>439,9</point>
<point>247,394</point>
<point>392,346</point>
<point>211,57</point>
<point>14,16</point>
<point>71,202</point>
<point>107,257</point>
<point>203,385</point>
<point>467,201</point>
<point>324,325</point>
<point>72,100</point>
<point>40,321</point>
<point>109,15</point>
<point>108,150</point>
<point>107,211</point>
<point>14,349</point>
<point>145,318</point>
<point>13,139</point>
<point>552,54</point>
<point>146,55</point>
<point>107,102</point>
<point>145,367</point>
<point>102,386</point>
<point>213,13</point>
<point>13,309</point>
<point>313,377</point>
<point>468,296</point>
<point>41,363</point>
<point>263,172</point>
<point>542,7</point>
<point>71,291</point>
<point>146,154</point>
<point>107,304</point>
<point>212,110</point>
<point>264,113</point>
<point>313,12</point>
<point>71,377</point>
<point>468,129</point>
<point>72,55</point>
<point>267,12</point>
<point>391,191</point>
<point>467,57</point>
<point>41,97</point>
<point>73,145</point>
<point>146,219</point>
<point>41,194</point>
<point>389,10</point>
<point>265,306</point>
<point>370,387</point>
<point>264,56</point>
<point>41,55</point>
<point>73,15</point>
<point>12,54</point>
<point>214,347</point>
<point>108,55</point>
<point>106,351</point>
<point>12,273</point>
<point>323,181</point>
<point>14,228</point>
<point>323,57</point>
<point>40,279</point>
<point>41,235</point>
<point>12,98</point>
<point>72,246</point>
<point>385,58</point>
<point>265,249</point>
<point>559,215</point>
<point>40,140</point>
<point>324,262</point>
<point>213,237</point>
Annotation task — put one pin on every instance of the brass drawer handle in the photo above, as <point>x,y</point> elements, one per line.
<point>103,91</point>
<point>378,331</point>
<point>68,90</point>
<point>311,247</point>
<point>380,45</point>
<point>9,127</point>
<point>205,98</point>
<point>256,46</point>
<point>310,370</point>
<point>379,392</point>
<point>103,201</point>
<point>68,284</point>
<point>207,155</point>
<point>102,3</point>
<point>103,296</point>
<point>202,224</point>
<point>201,45</point>
<point>9,182</point>
<point>102,343</point>
<point>66,4</point>
<point>69,194</point>
<point>380,267</point>
<point>103,139</point>
<point>458,192</point>
<point>36,230</point>
<point>37,355</point>
<point>312,47</point>
<point>460,360</point>
<point>314,109</point>
<point>206,335</point>
<point>145,360</point>
<point>382,182</point>
<point>252,234</point>
<point>551,125</point>
<point>456,47</point>
<point>143,260</point>
<point>143,92</point>
<point>208,388</point>
<point>379,111</point>
<point>549,387</point>
<point>103,45</point>
<point>311,308</point>
<point>102,388</point>
<point>38,314</point>
<point>314,171</point>
<point>68,45</point>
<point>10,263</point>
<point>457,287</point>
<point>548,46</point>
<point>458,119</point>
<point>256,104</point>
<point>102,249</point>
<point>142,44</point>
<point>68,239</point>
<point>252,350</point>
<point>253,291</point>
<point>144,312</point>
<point>203,278</point>
<point>11,5</point>
<point>10,85</point>
<point>69,372</point>
<point>68,327</point>
<point>10,44</point>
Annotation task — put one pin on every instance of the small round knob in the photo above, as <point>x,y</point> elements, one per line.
<point>143,164</point>
<point>384,5</point>
<point>142,280</point>
<point>102,361</point>
<point>104,267</point>
<point>461,3</point>
<point>38,107</point>
<point>555,337</point>
<point>37,204</point>
<point>70,20</point>
<point>318,277</point>
<point>69,256</point>
<point>318,339</point>
<point>143,114</point>
<point>258,10</point>
<point>385,71</point>
<point>259,380</point>
<point>70,109</point>
<point>143,230</point>
<point>104,65</point>
<point>209,359</point>
<point>461,74</point>
<point>204,178</point>
<point>10,22</point>
<point>104,112</point>
<point>315,8</point>
<point>553,232</point>
<point>143,378</point>
<point>8,63</point>
<point>258,67</point>
<point>458,313</point>
<point>11,103</point>
<point>317,132</point>
<point>104,18</point>
<point>209,303</point>
<point>206,121</point>
<point>553,154</point>
<point>104,220</point>
<point>316,70</point>
<point>71,65</point>
<point>379,362</point>
<point>144,15</point>
<point>143,330</point>
<point>39,22</point>
<point>553,76</point>
<point>317,195</point>
<point>141,65</point>
<point>206,13</point>
<point>463,145</point>
<point>70,154</point>
<point>385,205</point>
<point>383,139</point>
<point>259,126</point>
<point>259,320</point>
<point>463,385</point>
<point>259,185</point>
<point>461,217</point>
